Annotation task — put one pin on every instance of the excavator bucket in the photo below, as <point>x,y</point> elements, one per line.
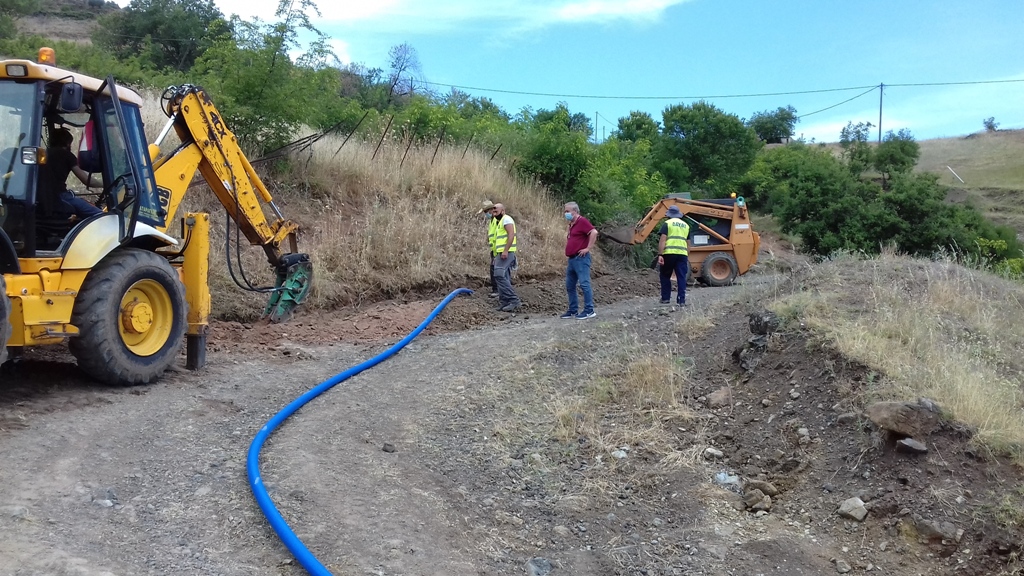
<point>622,235</point>
<point>294,280</point>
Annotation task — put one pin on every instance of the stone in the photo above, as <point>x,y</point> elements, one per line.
<point>767,488</point>
<point>853,509</point>
<point>712,453</point>
<point>16,512</point>
<point>842,566</point>
<point>847,418</point>
<point>721,397</point>
<point>932,530</point>
<point>763,322</point>
<point>619,454</point>
<point>563,531</point>
<point>765,505</point>
<point>538,567</point>
<point>911,446</point>
<point>748,356</point>
<point>904,418</point>
<point>388,447</point>
<point>752,497</point>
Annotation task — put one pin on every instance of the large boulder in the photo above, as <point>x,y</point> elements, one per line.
<point>905,418</point>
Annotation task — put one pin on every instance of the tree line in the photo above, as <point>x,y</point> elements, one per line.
<point>860,198</point>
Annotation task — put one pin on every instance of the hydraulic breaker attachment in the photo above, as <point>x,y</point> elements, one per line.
<point>294,279</point>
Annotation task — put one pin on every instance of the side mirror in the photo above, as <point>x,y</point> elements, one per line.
<point>70,97</point>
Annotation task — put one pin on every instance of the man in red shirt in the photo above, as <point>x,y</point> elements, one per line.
<point>578,242</point>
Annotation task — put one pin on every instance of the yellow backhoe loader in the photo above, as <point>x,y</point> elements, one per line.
<point>114,285</point>
<point>722,243</point>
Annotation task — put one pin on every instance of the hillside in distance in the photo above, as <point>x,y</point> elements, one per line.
<point>991,167</point>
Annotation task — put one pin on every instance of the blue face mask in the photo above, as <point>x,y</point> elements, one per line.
<point>568,215</point>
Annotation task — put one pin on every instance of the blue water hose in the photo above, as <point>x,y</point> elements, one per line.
<point>288,537</point>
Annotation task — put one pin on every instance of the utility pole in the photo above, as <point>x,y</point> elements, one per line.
<point>881,90</point>
<point>595,127</point>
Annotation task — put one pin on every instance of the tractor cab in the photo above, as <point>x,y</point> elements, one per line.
<point>55,128</point>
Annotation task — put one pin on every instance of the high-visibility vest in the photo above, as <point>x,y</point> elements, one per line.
<point>492,233</point>
<point>675,240</point>
<point>501,238</point>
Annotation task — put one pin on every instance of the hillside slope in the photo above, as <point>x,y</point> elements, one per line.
<point>991,165</point>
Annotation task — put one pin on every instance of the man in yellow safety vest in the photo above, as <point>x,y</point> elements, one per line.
<point>492,233</point>
<point>673,255</point>
<point>505,244</point>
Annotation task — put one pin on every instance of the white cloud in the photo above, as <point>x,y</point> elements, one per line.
<point>613,9</point>
<point>432,15</point>
<point>341,50</point>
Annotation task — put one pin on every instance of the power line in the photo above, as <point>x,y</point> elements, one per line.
<point>647,97</point>
<point>959,83</point>
<point>754,95</point>
<point>872,89</point>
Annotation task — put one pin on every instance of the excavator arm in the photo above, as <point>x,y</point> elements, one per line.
<point>654,216</point>
<point>207,145</point>
<point>717,252</point>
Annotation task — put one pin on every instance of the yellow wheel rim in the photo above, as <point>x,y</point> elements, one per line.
<point>146,317</point>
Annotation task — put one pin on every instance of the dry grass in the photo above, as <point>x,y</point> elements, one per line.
<point>983,160</point>
<point>934,329</point>
<point>380,227</point>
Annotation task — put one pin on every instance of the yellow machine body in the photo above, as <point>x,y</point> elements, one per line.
<point>116,286</point>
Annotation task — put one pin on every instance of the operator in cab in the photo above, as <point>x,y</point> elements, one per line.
<point>55,200</point>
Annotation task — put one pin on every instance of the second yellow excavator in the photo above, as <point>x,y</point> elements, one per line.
<point>107,278</point>
<point>722,243</point>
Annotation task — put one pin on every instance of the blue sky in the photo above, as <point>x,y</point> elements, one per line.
<point>688,49</point>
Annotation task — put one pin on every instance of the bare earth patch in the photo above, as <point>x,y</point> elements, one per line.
<point>579,446</point>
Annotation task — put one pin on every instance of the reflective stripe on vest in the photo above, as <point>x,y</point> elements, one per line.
<point>492,234</point>
<point>675,240</point>
<point>501,238</point>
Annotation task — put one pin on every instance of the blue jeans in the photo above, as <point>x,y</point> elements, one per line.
<point>75,205</point>
<point>679,264</point>
<point>578,271</point>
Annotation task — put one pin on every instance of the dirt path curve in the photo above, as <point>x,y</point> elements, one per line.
<point>100,481</point>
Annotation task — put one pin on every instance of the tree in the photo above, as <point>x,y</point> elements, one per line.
<point>990,124</point>
<point>170,33</point>
<point>10,10</point>
<point>897,154</point>
<point>774,127</point>
<point>554,152</point>
<point>853,139</point>
<point>637,126</point>
<point>403,66</point>
<point>620,184</point>
<point>705,147</point>
<point>264,95</point>
<point>578,122</point>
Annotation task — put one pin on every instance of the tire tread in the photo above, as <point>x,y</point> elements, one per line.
<point>98,348</point>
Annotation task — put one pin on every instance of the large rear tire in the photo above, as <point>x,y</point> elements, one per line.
<point>131,315</point>
<point>5,322</point>
<point>719,269</point>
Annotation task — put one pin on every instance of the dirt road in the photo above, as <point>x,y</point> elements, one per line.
<point>99,481</point>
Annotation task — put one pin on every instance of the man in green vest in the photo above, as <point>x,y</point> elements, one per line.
<point>505,259</point>
<point>492,232</point>
<point>673,255</point>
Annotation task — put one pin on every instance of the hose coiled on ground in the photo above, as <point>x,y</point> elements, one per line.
<point>284,532</point>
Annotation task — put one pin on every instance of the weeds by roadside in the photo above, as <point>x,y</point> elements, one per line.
<point>933,328</point>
